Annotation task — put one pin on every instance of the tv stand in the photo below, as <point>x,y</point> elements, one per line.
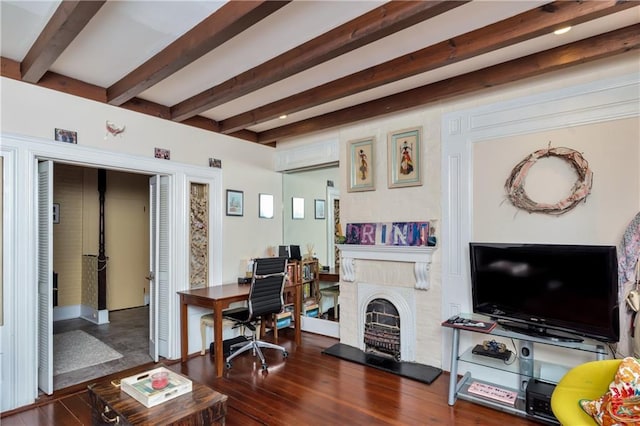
<point>540,332</point>
<point>512,375</point>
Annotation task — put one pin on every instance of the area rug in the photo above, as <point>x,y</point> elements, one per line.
<point>73,350</point>
<point>411,370</point>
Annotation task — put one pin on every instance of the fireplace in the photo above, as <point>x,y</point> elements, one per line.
<point>399,276</point>
<point>387,323</point>
<point>382,329</point>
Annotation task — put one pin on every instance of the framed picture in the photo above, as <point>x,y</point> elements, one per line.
<point>62,135</point>
<point>319,209</point>
<point>297,208</point>
<point>403,160</point>
<point>235,203</point>
<point>162,153</point>
<point>360,165</point>
<point>265,206</point>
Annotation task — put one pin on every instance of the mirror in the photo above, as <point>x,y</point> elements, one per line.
<point>310,228</point>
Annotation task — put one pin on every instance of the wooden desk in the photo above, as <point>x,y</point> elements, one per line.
<point>218,298</point>
<point>330,276</point>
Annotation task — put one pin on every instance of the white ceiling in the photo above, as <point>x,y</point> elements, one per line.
<point>125,34</point>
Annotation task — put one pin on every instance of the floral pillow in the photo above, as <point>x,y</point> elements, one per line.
<point>620,406</point>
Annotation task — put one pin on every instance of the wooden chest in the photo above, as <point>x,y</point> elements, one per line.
<point>201,406</point>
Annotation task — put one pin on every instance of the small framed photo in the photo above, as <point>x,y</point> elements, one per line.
<point>319,209</point>
<point>68,136</point>
<point>215,162</point>
<point>265,206</point>
<point>403,159</point>
<point>165,154</point>
<point>297,205</point>
<point>235,203</point>
<point>360,165</point>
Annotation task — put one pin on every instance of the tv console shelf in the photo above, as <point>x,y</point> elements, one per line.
<point>525,367</point>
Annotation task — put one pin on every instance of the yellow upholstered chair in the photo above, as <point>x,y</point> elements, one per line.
<point>586,381</point>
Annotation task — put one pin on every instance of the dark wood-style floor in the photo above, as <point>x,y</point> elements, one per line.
<point>308,388</point>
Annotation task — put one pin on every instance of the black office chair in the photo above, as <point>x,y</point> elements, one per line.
<point>265,299</point>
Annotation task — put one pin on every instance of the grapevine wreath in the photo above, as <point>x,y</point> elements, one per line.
<point>581,188</point>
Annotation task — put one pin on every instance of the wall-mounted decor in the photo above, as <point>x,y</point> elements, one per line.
<point>62,135</point>
<point>390,234</point>
<point>165,154</point>
<point>199,234</point>
<point>265,206</point>
<point>113,129</point>
<point>581,188</point>
<point>360,165</point>
<point>235,203</point>
<point>215,162</point>
<point>403,161</point>
<point>319,209</point>
<point>56,213</point>
<point>297,208</point>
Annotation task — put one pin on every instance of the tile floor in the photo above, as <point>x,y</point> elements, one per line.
<point>127,332</point>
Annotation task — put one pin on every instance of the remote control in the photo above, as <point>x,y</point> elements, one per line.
<point>453,319</point>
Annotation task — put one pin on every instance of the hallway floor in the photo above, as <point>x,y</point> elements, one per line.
<point>127,332</point>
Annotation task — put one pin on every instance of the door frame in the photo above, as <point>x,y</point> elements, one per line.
<point>21,331</point>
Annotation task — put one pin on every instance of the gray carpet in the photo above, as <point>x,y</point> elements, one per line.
<point>73,350</point>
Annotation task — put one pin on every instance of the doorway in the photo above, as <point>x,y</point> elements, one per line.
<point>124,333</point>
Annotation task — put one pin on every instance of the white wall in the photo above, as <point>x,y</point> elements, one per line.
<point>426,202</point>
<point>612,150</point>
<point>34,111</point>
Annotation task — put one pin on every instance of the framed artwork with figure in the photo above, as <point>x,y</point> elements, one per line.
<point>360,165</point>
<point>403,160</point>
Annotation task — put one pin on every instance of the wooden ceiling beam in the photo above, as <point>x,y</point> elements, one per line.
<point>527,25</point>
<point>65,24</point>
<point>583,51</point>
<point>72,86</point>
<point>374,25</point>
<point>222,25</point>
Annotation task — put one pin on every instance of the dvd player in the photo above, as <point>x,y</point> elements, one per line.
<point>480,350</point>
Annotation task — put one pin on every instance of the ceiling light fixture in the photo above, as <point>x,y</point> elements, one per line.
<point>283,116</point>
<point>562,31</point>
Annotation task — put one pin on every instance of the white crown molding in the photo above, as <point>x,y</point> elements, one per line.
<point>307,156</point>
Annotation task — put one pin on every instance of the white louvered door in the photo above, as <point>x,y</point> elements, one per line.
<point>159,265</point>
<point>45,276</point>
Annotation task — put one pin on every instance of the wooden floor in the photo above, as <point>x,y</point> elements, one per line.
<point>308,388</point>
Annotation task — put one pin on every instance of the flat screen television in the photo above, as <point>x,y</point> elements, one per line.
<point>553,291</point>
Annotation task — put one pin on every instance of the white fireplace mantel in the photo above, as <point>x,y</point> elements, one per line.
<point>419,256</point>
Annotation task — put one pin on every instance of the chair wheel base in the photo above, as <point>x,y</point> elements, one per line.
<point>285,354</point>
<point>229,364</point>
<point>264,366</point>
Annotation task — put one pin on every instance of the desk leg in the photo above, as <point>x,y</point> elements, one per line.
<point>217,338</point>
<point>184,332</point>
<point>297,312</point>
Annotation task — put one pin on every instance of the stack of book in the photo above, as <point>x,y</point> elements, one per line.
<point>283,319</point>
<point>311,308</point>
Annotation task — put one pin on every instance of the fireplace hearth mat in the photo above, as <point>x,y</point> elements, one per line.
<point>411,370</point>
